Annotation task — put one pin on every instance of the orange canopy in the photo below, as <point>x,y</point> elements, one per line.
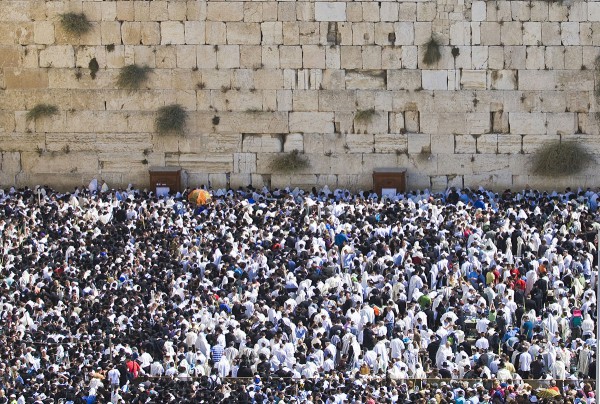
<point>199,197</point>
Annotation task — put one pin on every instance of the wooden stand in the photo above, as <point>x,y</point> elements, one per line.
<point>165,179</point>
<point>392,180</point>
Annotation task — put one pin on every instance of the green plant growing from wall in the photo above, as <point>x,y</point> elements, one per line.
<point>365,115</point>
<point>41,111</point>
<point>290,162</point>
<point>171,119</point>
<point>561,159</point>
<point>132,77</point>
<point>432,52</point>
<point>75,23</point>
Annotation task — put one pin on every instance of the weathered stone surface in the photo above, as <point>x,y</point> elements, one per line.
<point>527,123</point>
<point>365,79</point>
<point>262,144</point>
<point>293,141</point>
<point>311,122</point>
<point>330,11</point>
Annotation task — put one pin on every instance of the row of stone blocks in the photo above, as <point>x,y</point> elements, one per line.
<point>512,33</point>
<point>257,11</point>
<point>300,57</point>
<point>368,123</point>
<point>493,171</point>
<point>253,153</point>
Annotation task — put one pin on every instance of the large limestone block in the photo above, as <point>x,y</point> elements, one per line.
<point>9,57</point>
<point>509,143</point>
<point>61,162</point>
<point>313,57</point>
<point>243,33</point>
<point>593,11</point>
<point>150,32</point>
<point>442,144</point>
<point>532,143</point>
<point>527,123</point>
<point>10,162</point>
<point>570,80</point>
<point>537,80</point>
<point>244,163</point>
<point>473,79</point>
<point>43,32</point>
<point>315,143</point>
<point>487,143</point>
<point>195,32</point>
<point>22,141</point>
<point>569,33</point>
<point>396,122</point>
<point>131,33</point>
<point>330,11</point>
<point>434,79</point>
<point>262,144</point>
<point>465,144</point>
<point>177,10</point>
<point>503,79</point>
<point>110,32</point>
<point>459,164</point>
<point>76,142</point>
<point>210,163</point>
<point>305,100</point>
<point>365,79</point>
<point>228,57</point>
<point>358,143</point>
<point>338,100</point>
<point>293,141</point>
<point>225,11</point>
<point>57,56</point>
<point>562,123</point>
<point>351,57</point>
<point>376,122</point>
<point>25,78</point>
<point>172,33</point>
<point>419,143</point>
<point>311,122</point>
<point>240,180</point>
<point>478,11</point>
<point>253,122</point>
<point>403,79</point>
<point>496,181</point>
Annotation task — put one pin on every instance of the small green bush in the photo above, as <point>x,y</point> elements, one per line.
<point>171,118</point>
<point>290,162</point>
<point>132,77</point>
<point>75,23</point>
<point>561,159</point>
<point>432,52</point>
<point>41,111</point>
<point>365,115</point>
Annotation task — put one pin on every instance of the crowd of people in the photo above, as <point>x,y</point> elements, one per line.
<point>280,296</point>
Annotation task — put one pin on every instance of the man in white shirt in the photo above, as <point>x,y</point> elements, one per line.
<point>524,364</point>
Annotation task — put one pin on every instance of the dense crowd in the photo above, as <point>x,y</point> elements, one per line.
<point>285,296</point>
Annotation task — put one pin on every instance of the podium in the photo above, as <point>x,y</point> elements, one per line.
<point>389,181</point>
<point>165,180</point>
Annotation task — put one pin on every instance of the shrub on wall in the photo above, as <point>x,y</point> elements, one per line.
<point>75,23</point>
<point>365,115</point>
<point>171,119</point>
<point>432,52</point>
<point>41,111</point>
<point>561,159</point>
<point>289,162</point>
<point>132,77</point>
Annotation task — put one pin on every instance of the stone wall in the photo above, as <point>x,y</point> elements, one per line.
<point>343,82</point>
